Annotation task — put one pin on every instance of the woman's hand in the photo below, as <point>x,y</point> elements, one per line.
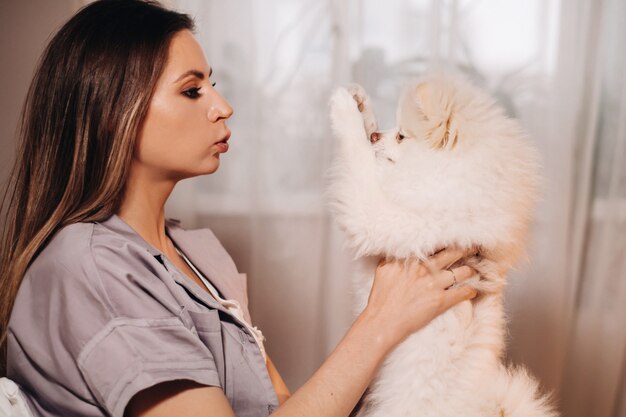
<point>408,294</point>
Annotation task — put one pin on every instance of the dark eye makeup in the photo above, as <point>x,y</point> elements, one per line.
<point>193,91</point>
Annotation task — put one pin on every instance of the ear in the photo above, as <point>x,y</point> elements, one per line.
<point>427,108</point>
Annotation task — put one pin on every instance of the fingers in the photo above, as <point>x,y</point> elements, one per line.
<point>442,278</point>
<point>450,277</point>
<point>457,294</point>
<point>436,266</point>
<point>443,259</point>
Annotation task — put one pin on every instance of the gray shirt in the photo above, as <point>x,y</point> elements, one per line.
<point>101,315</point>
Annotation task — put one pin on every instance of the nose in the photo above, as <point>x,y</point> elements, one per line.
<point>375,137</point>
<point>219,109</point>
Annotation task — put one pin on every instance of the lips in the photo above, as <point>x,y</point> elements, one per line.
<point>222,145</point>
<point>225,139</point>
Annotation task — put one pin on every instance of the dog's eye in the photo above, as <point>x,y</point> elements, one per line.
<point>400,137</point>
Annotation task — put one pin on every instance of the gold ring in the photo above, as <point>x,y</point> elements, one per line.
<point>453,277</point>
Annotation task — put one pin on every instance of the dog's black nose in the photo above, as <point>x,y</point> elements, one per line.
<point>375,137</point>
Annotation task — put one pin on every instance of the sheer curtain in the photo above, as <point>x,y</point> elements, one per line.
<point>558,66</point>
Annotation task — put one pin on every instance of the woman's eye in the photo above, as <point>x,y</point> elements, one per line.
<point>192,92</point>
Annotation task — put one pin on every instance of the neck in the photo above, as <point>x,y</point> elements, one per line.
<point>143,206</point>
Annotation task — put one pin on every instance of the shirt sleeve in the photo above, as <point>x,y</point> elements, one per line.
<point>129,355</point>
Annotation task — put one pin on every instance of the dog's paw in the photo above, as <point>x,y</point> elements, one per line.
<point>359,95</point>
<point>345,117</point>
<point>364,104</point>
<point>342,102</point>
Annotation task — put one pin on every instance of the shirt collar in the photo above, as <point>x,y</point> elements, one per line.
<point>115,223</point>
<point>187,241</point>
<point>178,236</point>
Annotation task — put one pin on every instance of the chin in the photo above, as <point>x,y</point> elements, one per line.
<point>204,168</point>
<point>454,171</point>
<point>213,164</point>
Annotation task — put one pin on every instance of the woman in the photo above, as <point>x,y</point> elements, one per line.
<point>116,310</point>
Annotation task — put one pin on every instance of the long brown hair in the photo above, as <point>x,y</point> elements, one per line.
<point>83,111</point>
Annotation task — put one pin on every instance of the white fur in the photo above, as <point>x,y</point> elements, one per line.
<point>465,174</point>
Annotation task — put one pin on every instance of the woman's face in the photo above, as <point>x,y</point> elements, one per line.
<point>186,117</point>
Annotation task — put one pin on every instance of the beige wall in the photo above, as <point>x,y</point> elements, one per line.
<point>25,28</point>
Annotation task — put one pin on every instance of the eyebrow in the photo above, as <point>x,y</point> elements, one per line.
<point>195,73</point>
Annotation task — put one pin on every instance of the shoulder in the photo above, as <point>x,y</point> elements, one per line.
<point>91,275</point>
<point>79,249</point>
<point>65,247</point>
<point>93,261</point>
<point>66,256</point>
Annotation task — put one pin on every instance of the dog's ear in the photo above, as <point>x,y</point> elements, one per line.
<point>427,109</point>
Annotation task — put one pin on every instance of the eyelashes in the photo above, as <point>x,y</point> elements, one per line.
<point>194,92</point>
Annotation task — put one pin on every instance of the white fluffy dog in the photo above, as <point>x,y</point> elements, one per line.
<point>456,171</point>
